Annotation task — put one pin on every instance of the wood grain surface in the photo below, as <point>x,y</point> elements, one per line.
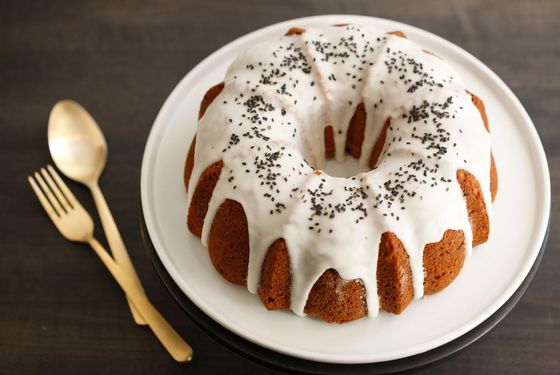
<point>61,313</point>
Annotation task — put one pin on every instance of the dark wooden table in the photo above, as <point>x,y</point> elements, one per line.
<point>60,312</point>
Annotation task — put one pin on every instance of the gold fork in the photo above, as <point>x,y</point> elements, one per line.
<point>75,224</point>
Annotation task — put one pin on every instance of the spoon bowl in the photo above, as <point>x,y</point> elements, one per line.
<point>76,143</point>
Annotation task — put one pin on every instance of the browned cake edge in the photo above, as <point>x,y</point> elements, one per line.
<point>329,142</point>
<point>355,132</point>
<point>228,242</point>
<point>394,276</point>
<point>208,98</point>
<point>336,300</point>
<point>276,281</point>
<point>201,197</point>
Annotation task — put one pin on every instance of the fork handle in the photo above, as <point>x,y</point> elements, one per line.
<point>175,345</point>
<point>116,244</point>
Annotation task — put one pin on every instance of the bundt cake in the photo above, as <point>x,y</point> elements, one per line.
<point>331,247</point>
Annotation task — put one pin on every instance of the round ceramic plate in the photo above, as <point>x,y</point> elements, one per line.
<point>488,279</point>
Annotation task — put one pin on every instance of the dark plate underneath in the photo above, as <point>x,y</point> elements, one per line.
<point>283,362</point>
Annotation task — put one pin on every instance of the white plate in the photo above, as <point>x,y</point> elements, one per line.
<point>487,280</point>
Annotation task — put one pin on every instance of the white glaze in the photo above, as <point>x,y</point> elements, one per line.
<point>317,85</point>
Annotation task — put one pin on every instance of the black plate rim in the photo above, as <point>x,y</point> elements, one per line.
<point>282,362</point>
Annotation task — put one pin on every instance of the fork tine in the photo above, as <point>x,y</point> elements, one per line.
<point>65,190</point>
<point>56,190</point>
<point>44,201</point>
<point>48,192</point>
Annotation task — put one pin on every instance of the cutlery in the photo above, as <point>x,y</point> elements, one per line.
<point>75,224</point>
<point>79,150</point>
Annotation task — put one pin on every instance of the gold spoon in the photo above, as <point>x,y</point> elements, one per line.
<point>79,150</point>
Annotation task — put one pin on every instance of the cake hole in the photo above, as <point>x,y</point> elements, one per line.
<point>347,168</point>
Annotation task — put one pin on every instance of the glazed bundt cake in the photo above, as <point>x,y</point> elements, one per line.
<point>331,247</point>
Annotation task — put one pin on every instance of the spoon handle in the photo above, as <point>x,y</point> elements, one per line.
<point>117,246</point>
<point>175,345</point>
